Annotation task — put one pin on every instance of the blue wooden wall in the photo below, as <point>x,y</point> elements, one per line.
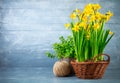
<point>28,28</point>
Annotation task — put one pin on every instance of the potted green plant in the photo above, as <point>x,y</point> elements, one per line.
<point>64,51</point>
<point>90,39</point>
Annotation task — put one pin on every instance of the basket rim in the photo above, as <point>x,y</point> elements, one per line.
<point>88,62</point>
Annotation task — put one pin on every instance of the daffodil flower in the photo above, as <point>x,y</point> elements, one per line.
<point>109,13</point>
<point>77,10</point>
<point>73,16</point>
<point>96,26</point>
<point>84,18</point>
<point>76,29</point>
<point>96,6</point>
<point>67,25</point>
<point>110,32</point>
<point>82,24</point>
<point>92,18</point>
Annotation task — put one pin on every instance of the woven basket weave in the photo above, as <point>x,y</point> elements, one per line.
<point>90,69</point>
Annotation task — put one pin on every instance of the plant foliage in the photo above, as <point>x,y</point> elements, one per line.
<point>63,49</point>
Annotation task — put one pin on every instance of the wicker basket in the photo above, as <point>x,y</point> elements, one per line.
<point>90,69</point>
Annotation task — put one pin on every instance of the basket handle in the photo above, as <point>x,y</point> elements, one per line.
<point>108,57</point>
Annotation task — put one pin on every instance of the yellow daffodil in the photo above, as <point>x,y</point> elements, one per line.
<point>109,13</point>
<point>96,6</point>
<point>77,10</point>
<point>73,16</point>
<point>98,16</point>
<point>82,24</point>
<point>76,29</point>
<point>88,12</point>
<point>95,17</point>
<point>84,18</point>
<point>107,18</point>
<point>92,18</point>
<point>96,26</point>
<point>67,25</point>
<point>110,32</point>
<point>88,7</point>
<point>104,17</point>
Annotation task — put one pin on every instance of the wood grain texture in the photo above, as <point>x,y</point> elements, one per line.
<point>28,28</point>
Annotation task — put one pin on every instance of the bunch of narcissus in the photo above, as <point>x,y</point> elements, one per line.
<point>90,36</point>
